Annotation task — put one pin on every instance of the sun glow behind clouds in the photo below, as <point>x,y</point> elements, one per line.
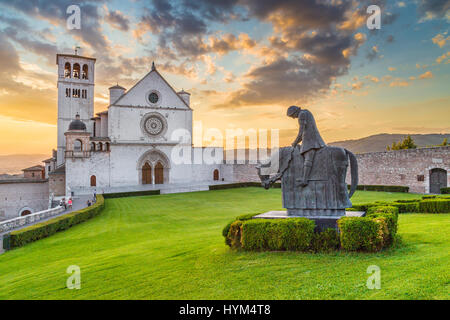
<point>243,64</point>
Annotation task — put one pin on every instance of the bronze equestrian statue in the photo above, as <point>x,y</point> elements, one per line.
<point>313,174</point>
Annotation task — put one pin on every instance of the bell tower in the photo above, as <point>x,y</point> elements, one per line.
<point>75,95</point>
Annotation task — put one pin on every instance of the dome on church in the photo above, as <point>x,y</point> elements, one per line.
<point>77,124</point>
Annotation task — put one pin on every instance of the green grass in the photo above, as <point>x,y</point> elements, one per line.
<point>171,247</point>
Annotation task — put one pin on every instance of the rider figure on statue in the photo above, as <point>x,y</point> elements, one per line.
<point>310,138</point>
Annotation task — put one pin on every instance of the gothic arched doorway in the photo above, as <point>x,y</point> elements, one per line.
<point>438,180</point>
<point>216,175</point>
<point>146,173</point>
<point>159,173</point>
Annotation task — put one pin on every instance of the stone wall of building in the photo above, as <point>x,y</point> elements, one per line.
<point>57,183</point>
<point>21,195</point>
<point>403,167</point>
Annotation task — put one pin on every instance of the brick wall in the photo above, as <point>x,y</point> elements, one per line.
<point>402,167</point>
<point>57,184</point>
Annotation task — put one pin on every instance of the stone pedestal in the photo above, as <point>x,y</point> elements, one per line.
<point>322,222</point>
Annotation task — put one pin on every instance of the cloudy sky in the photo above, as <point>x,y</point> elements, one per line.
<point>243,61</point>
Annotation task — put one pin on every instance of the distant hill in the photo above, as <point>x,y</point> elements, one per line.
<point>14,163</point>
<point>379,142</point>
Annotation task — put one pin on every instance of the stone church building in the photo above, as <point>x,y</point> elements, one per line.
<point>129,144</point>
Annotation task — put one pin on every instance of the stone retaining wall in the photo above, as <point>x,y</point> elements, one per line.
<point>19,222</point>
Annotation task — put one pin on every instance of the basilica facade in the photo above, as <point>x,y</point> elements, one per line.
<point>143,138</point>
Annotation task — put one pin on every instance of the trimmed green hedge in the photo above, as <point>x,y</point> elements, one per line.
<point>435,206</point>
<point>131,194</point>
<point>277,234</point>
<point>240,185</point>
<point>390,214</point>
<point>445,190</point>
<point>371,233</point>
<point>47,228</point>
<point>384,188</point>
<point>325,241</point>
<point>361,233</point>
<point>428,204</point>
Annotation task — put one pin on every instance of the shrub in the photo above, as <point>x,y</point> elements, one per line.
<point>277,234</point>
<point>47,228</point>
<point>407,200</point>
<point>406,207</point>
<point>362,206</point>
<point>361,234</point>
<point>131,194</point>
<point>445,190</point>
<point>325,241</point>
<point>428,197</point>
<point>241,218</point>
<point>240,185</point>
<point>390,214</point>
<point>234,235</point>
<point>385,188</point>
<point>435,206</point>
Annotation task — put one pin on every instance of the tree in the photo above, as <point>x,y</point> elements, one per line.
<point>444,143</point>
<point>407,143</point>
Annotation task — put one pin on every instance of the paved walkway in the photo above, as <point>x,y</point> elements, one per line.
<point>78,203</point>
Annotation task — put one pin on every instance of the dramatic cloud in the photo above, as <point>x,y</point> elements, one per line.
<point>117,20</point>
<point>430,9</point>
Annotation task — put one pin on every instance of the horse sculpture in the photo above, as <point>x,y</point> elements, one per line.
<point>312,174</point>
<point>326,193</point>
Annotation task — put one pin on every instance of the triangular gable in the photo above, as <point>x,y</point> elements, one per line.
<point>137,95</point>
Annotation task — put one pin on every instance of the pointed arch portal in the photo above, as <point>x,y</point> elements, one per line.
<point>146,173</point>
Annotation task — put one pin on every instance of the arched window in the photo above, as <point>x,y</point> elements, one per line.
<point>25,213</point>
<point>93,181</point>
<point>100,146</point>
<point>76,71</point>
<point>84,74</point>
<point>68,92</point>
<point>92,146</point>
<point>216,175</point>
<point>107,146</point>
<point>77,145</point>
<point>67,70</point>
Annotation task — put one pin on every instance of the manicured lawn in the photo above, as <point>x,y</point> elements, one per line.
<point>171,247</point>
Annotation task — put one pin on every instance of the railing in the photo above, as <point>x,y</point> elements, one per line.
<point>18,222</point>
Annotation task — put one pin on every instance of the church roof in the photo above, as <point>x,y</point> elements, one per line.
<point>165,81</point>
<point>72,56</point>
<point>77,124</point>
<point>117,87</point>
<point>34,168</point>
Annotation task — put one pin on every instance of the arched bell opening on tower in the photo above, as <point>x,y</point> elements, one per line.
<point>84,74</point>
<point>67,70</point>
<point>76,71</point>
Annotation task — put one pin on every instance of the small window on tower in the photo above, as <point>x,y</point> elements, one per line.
<point>76,93</point>
<point>67,70</point>
<point>76,71</point>
<point>84,74</point>
<point>68,92</point>
<point>77,145</point>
